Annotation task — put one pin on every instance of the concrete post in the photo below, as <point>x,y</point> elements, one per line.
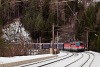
<point>87,33</point>
<point>51,49</point>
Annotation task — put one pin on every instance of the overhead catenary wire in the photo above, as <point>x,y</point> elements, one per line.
<point>73,12</point>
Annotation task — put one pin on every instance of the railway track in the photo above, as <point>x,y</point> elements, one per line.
<point>60,60</point>
<point>86,59</point>
<point>89,61</point>
<point>92,59</point>
<point>74,61</point>
<point>67,54</point>
<point>85,55</point>
<point>85,63</point>
<point>55,61</point>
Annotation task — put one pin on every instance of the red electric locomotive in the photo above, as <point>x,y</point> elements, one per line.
<point>74,46</point>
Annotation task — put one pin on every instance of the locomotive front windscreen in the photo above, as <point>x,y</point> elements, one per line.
<point>77,44</point>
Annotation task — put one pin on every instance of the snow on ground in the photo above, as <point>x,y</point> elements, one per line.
<point>65,62</point>
<point>62,53</point>
<point>81,61</point>
<point>4,60</point>
<point>95,63</point>
<point>37,64</point>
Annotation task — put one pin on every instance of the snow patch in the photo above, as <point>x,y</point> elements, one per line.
<point>4,60</point>
<point>61,54</point>
<point>95,63</point>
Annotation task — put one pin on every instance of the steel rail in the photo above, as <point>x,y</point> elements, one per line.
<point>55,61</point>
<point>88,59</point>
<point>43,61</point>
<point>85,61</point>
<point>92,59</point>
<point>74,61</point>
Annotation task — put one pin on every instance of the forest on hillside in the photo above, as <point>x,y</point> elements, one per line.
<point>38,16</point>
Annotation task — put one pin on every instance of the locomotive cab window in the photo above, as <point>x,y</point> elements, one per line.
<point>81,44</point>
